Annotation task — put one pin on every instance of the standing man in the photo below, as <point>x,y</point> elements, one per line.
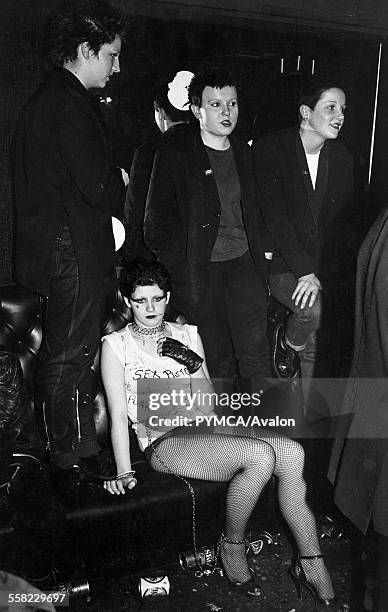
<point>203,222</point>
<point>173,122</point>
<point>66,192</point>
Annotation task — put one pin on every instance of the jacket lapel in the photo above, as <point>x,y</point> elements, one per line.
<point>243,167</point>
<point>305,174</point>
<point>204,171</point>
<point>316,197</point>
<point>333,186</point>
<point>323,172</point>
<point>318,200</point>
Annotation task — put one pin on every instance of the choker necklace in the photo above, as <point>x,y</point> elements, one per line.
<point>149,331</point>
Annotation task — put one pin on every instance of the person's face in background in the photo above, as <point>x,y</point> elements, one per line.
<point>218,112</point>
<point>101,66</point>
<point>327,117</point>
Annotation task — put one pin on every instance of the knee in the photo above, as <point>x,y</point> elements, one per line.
<point>317,312</point>
<point>259,455</point>
<point>270,461</point>
<point>297,455</point>
<point>266,458</point>
<point>310,315</point>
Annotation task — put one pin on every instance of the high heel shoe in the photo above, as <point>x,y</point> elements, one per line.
<point>250,588</point>
<point>300,581</point>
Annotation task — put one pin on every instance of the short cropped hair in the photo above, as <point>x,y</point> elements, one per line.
<point>77,21</point>
<point>212,76</point>
<point>161,101</point>
<point>311,91</point>
<point>141,272</point>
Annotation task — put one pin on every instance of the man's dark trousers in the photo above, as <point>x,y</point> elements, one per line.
<point>233,321</point>
<point>71,341</point>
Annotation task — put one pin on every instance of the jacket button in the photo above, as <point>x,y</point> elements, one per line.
<point>217,215</point>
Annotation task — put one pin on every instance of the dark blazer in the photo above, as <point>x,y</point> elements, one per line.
<point>62,175</point>
<point>139,181</point>
<point>308,235</point>
<point>362,473</point>
<point>183,215</point>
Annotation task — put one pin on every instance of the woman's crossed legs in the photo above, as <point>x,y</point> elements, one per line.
<point>247,458</point>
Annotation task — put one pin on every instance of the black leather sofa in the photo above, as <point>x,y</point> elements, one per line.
<point>40,528</point>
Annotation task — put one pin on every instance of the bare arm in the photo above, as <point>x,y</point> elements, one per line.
<point>201,383</point>
<point>203,371</point>
<point>112,372</point>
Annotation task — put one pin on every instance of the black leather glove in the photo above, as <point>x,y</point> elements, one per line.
<point>180,353</point>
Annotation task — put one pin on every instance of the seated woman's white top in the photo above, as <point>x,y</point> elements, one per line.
<point>147,376</point>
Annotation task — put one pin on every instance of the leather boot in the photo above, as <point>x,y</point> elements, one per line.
<point>285,360</point>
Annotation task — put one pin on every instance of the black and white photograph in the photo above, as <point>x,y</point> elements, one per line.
<point>194,305</point>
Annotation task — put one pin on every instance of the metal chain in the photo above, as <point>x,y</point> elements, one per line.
<point>193,500</point>
<point>217,554</point>
<point>190,487</point>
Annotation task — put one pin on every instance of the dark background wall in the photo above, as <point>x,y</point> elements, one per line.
<point>250,37</point>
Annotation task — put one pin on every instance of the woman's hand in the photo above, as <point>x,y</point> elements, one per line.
<point>169,347</point>
<point>306,290</point>
<point>119,486</point>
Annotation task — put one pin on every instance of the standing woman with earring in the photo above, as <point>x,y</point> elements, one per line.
<point>305,178</point>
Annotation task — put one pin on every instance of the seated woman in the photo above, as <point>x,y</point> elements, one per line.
<point>244,457</point>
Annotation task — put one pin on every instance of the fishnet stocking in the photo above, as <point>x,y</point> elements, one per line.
<point>289,465</point>
<point>247,457</point>
<point>245,462</point>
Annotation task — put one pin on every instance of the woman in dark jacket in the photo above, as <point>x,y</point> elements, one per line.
<point>305,178</point>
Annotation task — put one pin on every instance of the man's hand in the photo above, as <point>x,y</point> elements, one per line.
<point>306,290</point>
